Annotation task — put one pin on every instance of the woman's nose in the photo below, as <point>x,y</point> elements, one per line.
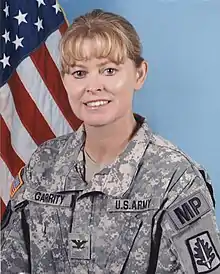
<point>94,90</point>
<point>94,85</point>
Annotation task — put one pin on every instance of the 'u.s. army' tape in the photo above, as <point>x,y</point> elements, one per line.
<point>133,205</point>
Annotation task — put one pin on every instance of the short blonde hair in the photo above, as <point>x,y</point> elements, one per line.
<point>111,34</point>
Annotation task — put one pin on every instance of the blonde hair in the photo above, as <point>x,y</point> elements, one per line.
<point>111,34</point>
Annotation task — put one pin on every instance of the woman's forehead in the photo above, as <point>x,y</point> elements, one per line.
<point>85,49</point>
<point>96,62</point>
<point>100,48</point>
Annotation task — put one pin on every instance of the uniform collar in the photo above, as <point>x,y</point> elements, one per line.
<point>67,163</point>
<point>115,179</point>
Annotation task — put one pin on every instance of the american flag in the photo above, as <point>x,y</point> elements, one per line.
<point>33,102</point>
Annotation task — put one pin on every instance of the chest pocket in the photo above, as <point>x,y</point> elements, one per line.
<point>48,226</point>
<point>122,235</point>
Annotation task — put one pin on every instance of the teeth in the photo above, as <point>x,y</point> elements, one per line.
<point>97,103</point>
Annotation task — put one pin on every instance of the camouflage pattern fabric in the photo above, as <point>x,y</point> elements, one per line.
<point>151,211</point>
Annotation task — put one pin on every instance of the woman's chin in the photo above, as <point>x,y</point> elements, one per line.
<point>98,121</point>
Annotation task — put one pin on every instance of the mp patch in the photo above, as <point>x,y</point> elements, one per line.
<point>188,210</point>
<point>204,256</point>
<point>16,184</point>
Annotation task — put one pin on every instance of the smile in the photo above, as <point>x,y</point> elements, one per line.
<point>97,103</point>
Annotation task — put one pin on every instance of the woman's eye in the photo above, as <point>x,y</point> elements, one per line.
<point>110,71</point>
<point>79,74</point>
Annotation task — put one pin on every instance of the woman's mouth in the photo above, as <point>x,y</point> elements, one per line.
<point>97,103</point>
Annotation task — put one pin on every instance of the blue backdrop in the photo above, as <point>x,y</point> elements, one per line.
<point>181,97</point>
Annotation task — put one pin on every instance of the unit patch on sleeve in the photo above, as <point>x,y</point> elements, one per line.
<point>188,210</point>
<point>203,253</point>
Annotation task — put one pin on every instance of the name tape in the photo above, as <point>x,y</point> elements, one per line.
<point>56,199</point>
<point>51,198</point>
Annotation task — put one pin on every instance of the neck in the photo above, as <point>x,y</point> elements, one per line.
<point>104,144</point>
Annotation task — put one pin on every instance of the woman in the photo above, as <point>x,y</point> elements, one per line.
<point>112,197</point>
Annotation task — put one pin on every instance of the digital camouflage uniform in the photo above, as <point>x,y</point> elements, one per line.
<point>151,211</point>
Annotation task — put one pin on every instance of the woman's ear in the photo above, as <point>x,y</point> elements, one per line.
<point>141,74</point>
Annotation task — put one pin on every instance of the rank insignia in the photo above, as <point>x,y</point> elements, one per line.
<point>79,245</point>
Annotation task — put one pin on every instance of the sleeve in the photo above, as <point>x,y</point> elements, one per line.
<point>15,255</point>
<point>189,233</point>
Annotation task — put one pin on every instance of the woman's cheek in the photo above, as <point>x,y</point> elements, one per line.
<point>114,84</point>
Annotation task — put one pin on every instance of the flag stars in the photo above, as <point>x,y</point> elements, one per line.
<point>17,42</point>
<point>5,60</point>
<point>56,7</point>
<point>6,10</point>
<point>40,2</point>
<point>21,17</point>
<point>39,24</point>
<point>6,36</point>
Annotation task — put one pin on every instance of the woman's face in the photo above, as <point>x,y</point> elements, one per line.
<point>100,91</point>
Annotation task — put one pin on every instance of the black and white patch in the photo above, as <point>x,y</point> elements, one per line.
<point>203,253</point>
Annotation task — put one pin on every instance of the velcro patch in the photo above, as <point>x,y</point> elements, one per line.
<point>133,205</point>
<point>188,210</point>
<point>203,253</point>
<point>79,246</point>
<point>16,184</point>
